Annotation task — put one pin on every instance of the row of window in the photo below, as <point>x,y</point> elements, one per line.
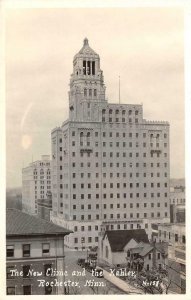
<point>117,134</point>
<point>118,195</point>
<point>26,250</point>
<point>118,165</point>
<point>42,172</point>
<point>118,144</point>
<point>118,175</point>
<point>124,216</point>
<point>108,227</point>
<point>42,187</point>
<point>117,112</point>
<point>42,178</point>
<point>87,239</point>
<point>117,185</point>
<point>90,93</point>
<point>44,164</point>
<point>118,205</point>
<point>169,235</point>
<point>110,154</point>
<point>123,120</point>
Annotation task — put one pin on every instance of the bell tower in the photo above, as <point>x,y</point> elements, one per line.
<point>87,89</point>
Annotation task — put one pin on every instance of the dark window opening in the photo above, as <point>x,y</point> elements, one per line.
<point>27,290</point>
<point>84,67</point>
<point>26,271</point>
<point>93,67</point>
<point>88,68</point>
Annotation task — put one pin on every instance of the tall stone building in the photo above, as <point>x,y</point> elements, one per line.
<point>110,166</point>
<point>36,183</point>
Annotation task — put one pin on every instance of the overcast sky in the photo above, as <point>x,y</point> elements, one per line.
<point>143,46</point>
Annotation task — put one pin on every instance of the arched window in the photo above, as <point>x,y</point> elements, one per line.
<point>85,92</point>
<point>117,111</point>
<point>123,112</point>
<point>110,111</point>
<point>130,112</point>
<point>41,172</point>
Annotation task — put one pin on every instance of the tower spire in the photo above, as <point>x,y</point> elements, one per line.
<point>86,42</point>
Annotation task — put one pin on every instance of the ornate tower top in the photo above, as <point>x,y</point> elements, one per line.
<point>86,84</point>
<point>87,51</point>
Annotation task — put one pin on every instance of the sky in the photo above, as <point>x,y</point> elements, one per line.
<point>142,45</point>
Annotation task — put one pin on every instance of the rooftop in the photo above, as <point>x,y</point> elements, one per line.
<point>119,238</point>
<point>19,223</point>
<point>86,50</point>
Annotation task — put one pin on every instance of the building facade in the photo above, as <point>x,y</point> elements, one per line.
<point>36,183</point>
<point>109,164</point>
<point>34,246</point>
<point>175,235</point>
<point>44,208</point>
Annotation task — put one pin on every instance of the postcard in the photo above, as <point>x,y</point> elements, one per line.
<point>95,149</point>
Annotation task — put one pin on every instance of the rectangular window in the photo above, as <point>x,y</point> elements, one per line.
<point>11,290</point>
<point>26,250</point>
<point>26,271</point>
<point>9,272</point>
<point>27,290</point>
<point>45,249</point>
<point>10,251</point>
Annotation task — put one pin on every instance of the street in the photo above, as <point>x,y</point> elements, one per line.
<point>88,284</point>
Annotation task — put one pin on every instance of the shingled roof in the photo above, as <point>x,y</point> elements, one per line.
<point>119,238</point>
<point>19,223</point>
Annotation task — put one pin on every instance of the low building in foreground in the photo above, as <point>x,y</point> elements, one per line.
<point>174,235</point>
<point>146,256</point>
<point>33,245</point>
<point>116,243</point>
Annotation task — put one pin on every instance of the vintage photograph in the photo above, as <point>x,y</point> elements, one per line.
<point>95,192</point>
